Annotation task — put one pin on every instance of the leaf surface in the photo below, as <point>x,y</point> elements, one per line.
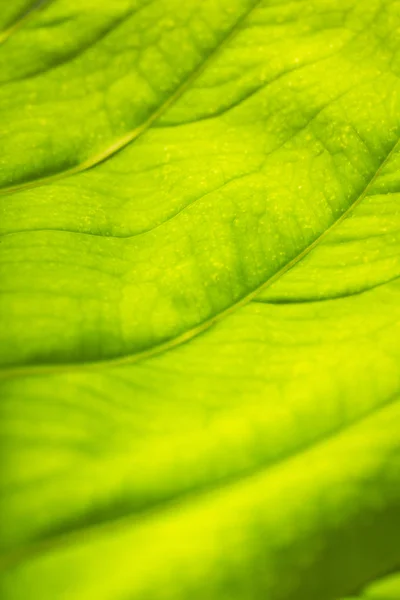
<point>200,276</point>
<point>386,588</point>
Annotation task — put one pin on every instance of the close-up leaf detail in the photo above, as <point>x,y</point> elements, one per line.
<point>200,299</point>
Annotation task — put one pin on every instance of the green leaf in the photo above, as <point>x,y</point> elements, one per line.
<point>200,299</point>
<point>387,588</point>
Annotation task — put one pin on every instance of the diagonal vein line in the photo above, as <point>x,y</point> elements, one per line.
<point>175,502</point>
<point>15,371</point>
<point>23,19</point>
<point>315,300</point>
<point>134,134</point>
<point>82,50</point>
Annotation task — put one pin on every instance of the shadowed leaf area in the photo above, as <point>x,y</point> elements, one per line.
<point>200,299</point>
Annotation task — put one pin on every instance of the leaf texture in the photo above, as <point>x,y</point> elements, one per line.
<point>200,300</point>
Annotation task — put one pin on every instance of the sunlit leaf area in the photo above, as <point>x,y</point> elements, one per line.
<point>200,299</point>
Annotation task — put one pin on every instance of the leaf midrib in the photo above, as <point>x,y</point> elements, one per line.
<point>18,370</point>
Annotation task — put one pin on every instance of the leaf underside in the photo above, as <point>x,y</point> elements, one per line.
<point>200,299</point>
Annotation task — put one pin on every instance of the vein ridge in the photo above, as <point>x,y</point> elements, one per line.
<point>135,133</point>
<point>186,336</point>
